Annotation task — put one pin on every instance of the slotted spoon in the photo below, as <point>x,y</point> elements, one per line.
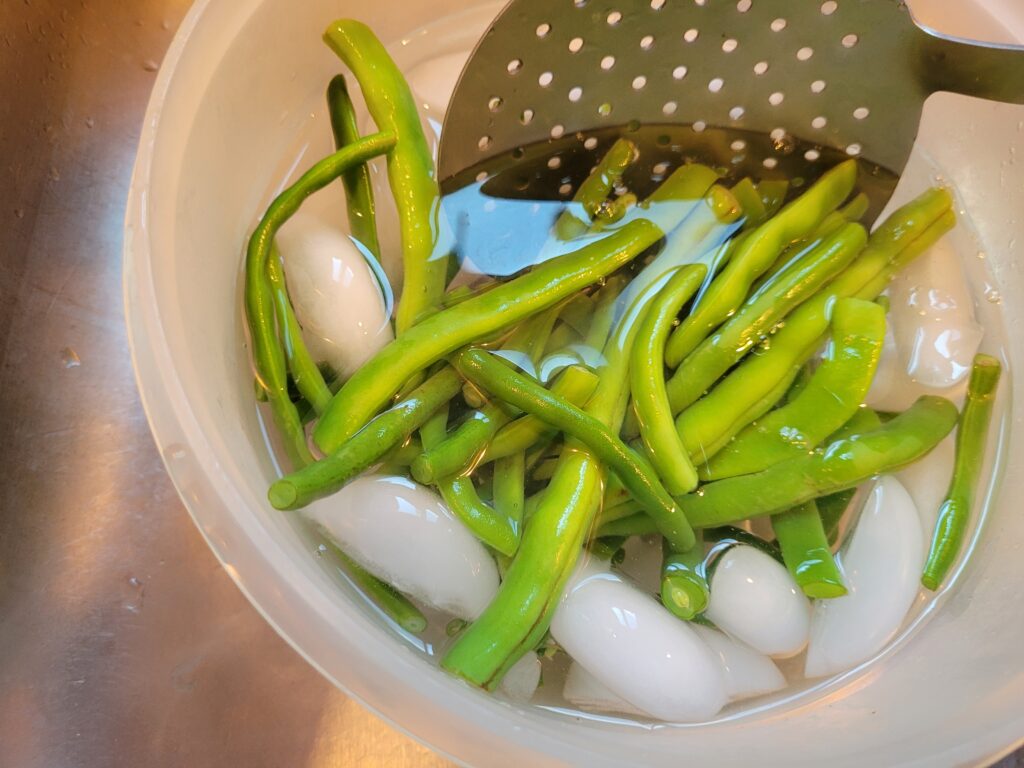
<point>771,88</point>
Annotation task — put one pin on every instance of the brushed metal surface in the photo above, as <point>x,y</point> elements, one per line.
<point>122,642</point>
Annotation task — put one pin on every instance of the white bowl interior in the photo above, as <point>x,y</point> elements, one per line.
<point>240,82</point>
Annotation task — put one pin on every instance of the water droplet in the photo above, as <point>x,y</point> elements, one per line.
<point>89,122</point>
<point>981,254</point>
<point>783,143</point>
<point>165,24</point>
<point>150,66</point>
<point>70,358</point>
<point>992,296</point>
<point>19,212</point>
<point>54,173</point>
<point>321,550</point>
<point>135,594</point>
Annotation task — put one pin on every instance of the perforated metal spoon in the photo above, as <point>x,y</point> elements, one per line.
<point>771,88</point>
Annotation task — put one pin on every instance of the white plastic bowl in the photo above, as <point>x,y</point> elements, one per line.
<point>238,83</point>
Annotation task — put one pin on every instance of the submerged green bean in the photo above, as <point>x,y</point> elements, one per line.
<point>684,584</point>
<point>392,602</point>
<point>828,400</point>
<point>647,376</point>
<point>955,511</point>
<point>757,254</point>
<point>367,446</point>
<point>362,218</point>
<point>410,165</point>
<point>595,190</point>
<point>267,352</point>
<point>843,464</point>
<point>762,312</point>
<point>806,553</point>
<point>442,333</point>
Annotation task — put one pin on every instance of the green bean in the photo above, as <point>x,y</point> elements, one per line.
<point>759,251</point>
<point>307,377</point>
<point>595,190</point>
<point>520,614</point>
<point>442,333</point>
<point>761,313</point>
<point>647,375</point>
<point>831,397</point>
<point>843,464</point>
<point>626,508</point>
<point>393,603</point>
<point>758,382</point>
<point>806,553</point>
<point>363,449</point>
<point>575,385</point>
<point>955,511</point>
<point>410,165</point>
<point>509,486</point>
<point>746,194</point>
<point>609,548</point>
<point>773,195</point>
<point>462,499</point>
<point>639,524</point>
<point>684,585</point>
<point>856,208</point>
<point>362,219</point>
<point>459,450</point>
<point>481,368</point>
<point>267,352</point>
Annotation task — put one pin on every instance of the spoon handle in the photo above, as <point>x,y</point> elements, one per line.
<point>985,70</point>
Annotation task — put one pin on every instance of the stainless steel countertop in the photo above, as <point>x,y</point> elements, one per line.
<point>122,641</point>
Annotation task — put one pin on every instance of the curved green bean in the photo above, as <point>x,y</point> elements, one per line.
<point>481,368</point>
<point>442,333</point>
<point>367,446</point>
<point>757,383</point>
<point>761,313</point>
<point>639,524</point>
<point>806,553</point>
<point>746,194</point>
<point>843,464</point>
<point>647,377</point>
<point>509,487</point>
<point>831,397</point>
<point>955,511</point>
<point>595,190</point>
<point>392,602</point>
<point>410,165</point>
<point>832,507</point>
<point>305,373</point>
<point>773,194</point>
<point>268,355</point>
<point>458,451</point>
<point>759,251</point>
<point>574,384</point>
<point>362,217</point>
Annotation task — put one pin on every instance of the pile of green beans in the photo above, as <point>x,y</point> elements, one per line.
<point>663,375</point>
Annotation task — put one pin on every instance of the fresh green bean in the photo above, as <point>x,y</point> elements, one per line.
<point>843,464</point>
<point>806,553</point>
<point>392,602</point>
<point>462,499</point>
<point>595,190</point>
<point>684,585</point>
<point>509,486</point>
<point>268,354</point>
<point>442,333</point>
<point>746,194</point>
<point>363,449</point>
<point>575,384</point>
<point>955,511</point>
<point>757,383</point>
<point>832,507</point>
<point>362,218</point>
<point>458,451</point>
<point>410,165</point>
<point>481,368</point>
<point>647,375</point>
<point>305,373</point>
<point>626,508</point>
<point>856,208</point>
<point>831,397</point>
<point>761,313</point>
<point>759,251</point>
